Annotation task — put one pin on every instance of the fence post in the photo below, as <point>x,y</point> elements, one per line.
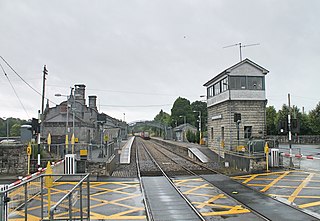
<point>81,211</point>
<point>26,201</point>
<point>41,193</point>
<point>88,196</point>
<point>70,206</point>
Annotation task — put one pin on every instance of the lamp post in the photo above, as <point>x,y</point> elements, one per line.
<point>67,120</point>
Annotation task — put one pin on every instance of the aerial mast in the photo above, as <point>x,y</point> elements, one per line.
<point>240,47</point>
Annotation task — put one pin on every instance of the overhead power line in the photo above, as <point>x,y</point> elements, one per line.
<point>15,92</point>
<point>24,80</point>
<point>134,106</point>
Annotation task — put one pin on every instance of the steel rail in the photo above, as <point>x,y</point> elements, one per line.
<point>149,214</point>
<point>200,164</point>
<point>173,185</point>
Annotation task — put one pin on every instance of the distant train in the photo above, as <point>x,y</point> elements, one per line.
<point>145,135</point>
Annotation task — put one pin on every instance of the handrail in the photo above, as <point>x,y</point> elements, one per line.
<point>69,193</point>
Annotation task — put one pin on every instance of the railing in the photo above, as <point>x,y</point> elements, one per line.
<point>15,199</point>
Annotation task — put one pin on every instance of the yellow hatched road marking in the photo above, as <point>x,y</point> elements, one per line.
<point>30,217</point>
<point>250,178</point>
<point>99,216</point>
<point>300,187</point>
<point>274,181</point>
<point>195,189</point>
<point>212,199</point>
<point>233,211</point>
<point>306,205</point>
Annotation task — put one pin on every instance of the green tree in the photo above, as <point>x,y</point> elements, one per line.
<point>271,115</point>
<point>182,107</point>
<point>163,118</point>
<point>15,130</point>
<point>315,120</point>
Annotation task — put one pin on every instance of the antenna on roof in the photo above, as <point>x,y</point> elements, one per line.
<point>241,46</point>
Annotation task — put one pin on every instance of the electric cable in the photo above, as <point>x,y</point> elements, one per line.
<point>14,90</point>
<point>25,81</point>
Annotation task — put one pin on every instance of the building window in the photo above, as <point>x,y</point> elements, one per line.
<point>224,85</point>
<point>217,88</point>
<point>247,132</point>
<point>211,133</point>
<point>255,83</point>
<point>222,133</point>
<point>237,82</point>
<point>210,91</point>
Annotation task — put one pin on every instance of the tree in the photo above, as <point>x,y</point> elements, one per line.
<point>163,118</point>
<point>182,107</point>
<point>15,130</point>
<point>271,115</point>
<point>315,120</point>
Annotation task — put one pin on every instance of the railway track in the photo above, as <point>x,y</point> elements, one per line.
<point>160,193</point>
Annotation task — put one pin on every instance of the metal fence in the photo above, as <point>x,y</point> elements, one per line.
<point>30,198</point>
<point>285,158</point>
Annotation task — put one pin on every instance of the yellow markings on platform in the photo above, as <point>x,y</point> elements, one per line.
<point>120,195</point>
<point>213,205</point>
<point>294,181</point>
<point>210,201</point>
<point>274,181</point>
<point>300,187</point>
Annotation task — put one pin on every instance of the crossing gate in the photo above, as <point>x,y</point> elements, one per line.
<point>274,159</point>
<point>70,164</point>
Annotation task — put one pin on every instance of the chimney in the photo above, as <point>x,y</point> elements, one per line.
<point>79,93</point>
<point>93,102</point>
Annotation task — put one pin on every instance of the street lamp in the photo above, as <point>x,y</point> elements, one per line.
<point>67,120</point>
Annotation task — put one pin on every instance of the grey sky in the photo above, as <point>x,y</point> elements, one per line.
<point>144,53</point>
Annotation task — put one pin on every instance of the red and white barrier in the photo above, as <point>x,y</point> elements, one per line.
<point>41,170</point>
<point>300,156</point>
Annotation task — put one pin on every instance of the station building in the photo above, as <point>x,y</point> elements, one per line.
<point>74,114</point>
<point>236,102</point>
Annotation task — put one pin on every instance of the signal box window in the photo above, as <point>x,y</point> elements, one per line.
<point>247,132</point>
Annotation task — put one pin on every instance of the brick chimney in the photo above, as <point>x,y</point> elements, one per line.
<point>79,93</point>
<point>93,102</point>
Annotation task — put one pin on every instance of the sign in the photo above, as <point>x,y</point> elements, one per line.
<point>266,148</point>
<point>29,150</point>
<point>217,117</point>
<point>83,152</point>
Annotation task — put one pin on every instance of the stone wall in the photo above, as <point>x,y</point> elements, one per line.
<point>244,163</point>
<point>13,159</point>
<point>301,139</point>
<point>252,114</point>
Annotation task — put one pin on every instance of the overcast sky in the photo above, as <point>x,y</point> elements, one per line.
<point>139,56</point>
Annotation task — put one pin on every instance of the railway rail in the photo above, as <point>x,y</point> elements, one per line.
<point>163,199</point>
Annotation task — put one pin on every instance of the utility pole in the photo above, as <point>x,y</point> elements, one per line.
<point>40,117</point>
<point>289,133</point>
<point>45,72</point>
